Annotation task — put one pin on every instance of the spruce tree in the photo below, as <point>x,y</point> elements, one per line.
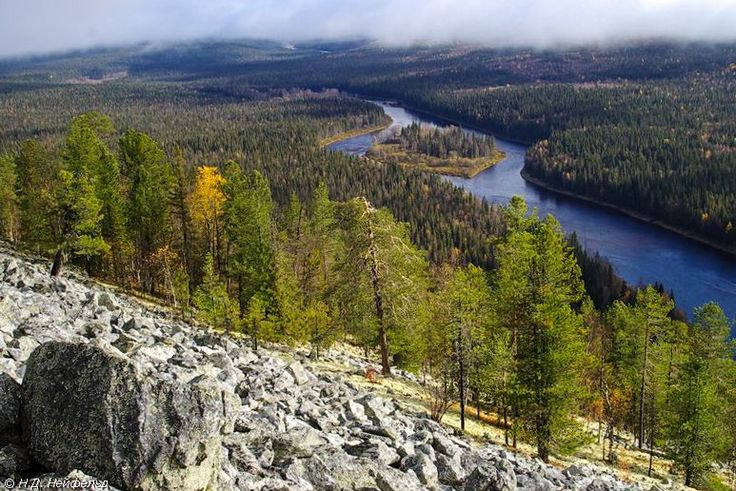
<point>78,205</point>
<point>211,299</point>
<point>8,199</point>
<point>248,213</point>
<point>150,182</point>
<point>539,277</point>
<point>697,404</point>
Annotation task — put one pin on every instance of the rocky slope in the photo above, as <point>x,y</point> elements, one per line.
<point>93,383</point>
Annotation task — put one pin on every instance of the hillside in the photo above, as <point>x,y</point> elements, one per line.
<point>108,386</point>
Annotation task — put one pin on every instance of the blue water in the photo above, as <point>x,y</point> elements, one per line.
<point>640,252</point>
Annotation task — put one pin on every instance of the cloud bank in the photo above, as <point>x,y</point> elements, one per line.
<point>43,26</point>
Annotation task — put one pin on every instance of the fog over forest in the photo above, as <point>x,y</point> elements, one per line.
<point>43,26</point>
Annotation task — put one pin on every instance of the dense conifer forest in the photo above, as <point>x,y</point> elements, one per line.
<point>197,178</point>
<point>444,144</point>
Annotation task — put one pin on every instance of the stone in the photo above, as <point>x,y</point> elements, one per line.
<point>423,468</point>
<point>373,406</point>
<point>449,469</point>
<point>299,443</point>
<point>14,461</point>
<point>389,479</point>
<point>297,371</point>
<point>486,477</point>
<point>442,443</point>
<point>86,407</point>
<point>10,407</point>
<point>597,485</point>
<point>25,346</point>
<point>283,381</point>
<point>355,411</point>
<point>107,301</point>
<point>376,451</point>
<point>334,469</point>
<point>158,354</point>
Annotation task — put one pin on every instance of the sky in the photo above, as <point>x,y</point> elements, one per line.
<point>45,26</point>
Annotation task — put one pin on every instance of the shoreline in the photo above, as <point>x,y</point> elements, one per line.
<point>630,213</point>
<point>325,142</point>
<point>525,175</point>
<point>439,117</point>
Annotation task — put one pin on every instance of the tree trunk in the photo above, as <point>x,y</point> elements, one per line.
<point>505,411</point>
<point>543,437</point>
<point>377,296</point>
<point>651,440</point>
<point>58,262</point>
<point>461,384</point>
<point>643,386</point>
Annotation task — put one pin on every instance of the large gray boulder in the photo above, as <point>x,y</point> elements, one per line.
<point>491,477</point>
<point>88,407</point>
<point>10,396</point>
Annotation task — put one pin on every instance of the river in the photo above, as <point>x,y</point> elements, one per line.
<point>640,252</point>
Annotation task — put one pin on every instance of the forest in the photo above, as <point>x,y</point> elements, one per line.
<point>449,151</point>
<point>444,143</point>
<point>522,339</point>
<point>647,128</point>
<point>210,191</point>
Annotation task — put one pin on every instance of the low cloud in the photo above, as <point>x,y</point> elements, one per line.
<point>43,26</point>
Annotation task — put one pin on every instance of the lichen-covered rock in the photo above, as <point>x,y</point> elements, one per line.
<point>14,461</point>
<point>87,407</point>
<point>10,397</point>
<point>488,477</point>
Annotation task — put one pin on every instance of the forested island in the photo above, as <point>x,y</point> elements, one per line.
<point>445,151</point>
<point>205,187</point>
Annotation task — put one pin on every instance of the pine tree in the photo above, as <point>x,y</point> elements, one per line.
<point>381,258</point>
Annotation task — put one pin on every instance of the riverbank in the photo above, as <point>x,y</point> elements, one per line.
<point>443,118</point>
<point>638,216</point>
<point>352,134</point>
<point>731,252</point>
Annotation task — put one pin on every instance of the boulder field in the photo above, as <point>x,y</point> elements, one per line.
<point>95,383</point>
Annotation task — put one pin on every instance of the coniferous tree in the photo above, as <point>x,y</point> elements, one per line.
<point>78,211</point>
<point>381,258</point>
<point>149,181</point>
<point>38,182</point>
<point>247,214</point>
<point>8,199</point>
<point>211,299</point>
<point>180,206</point>
<point>468,296</point>
<point>537,272</point>
<point>697,403</point>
